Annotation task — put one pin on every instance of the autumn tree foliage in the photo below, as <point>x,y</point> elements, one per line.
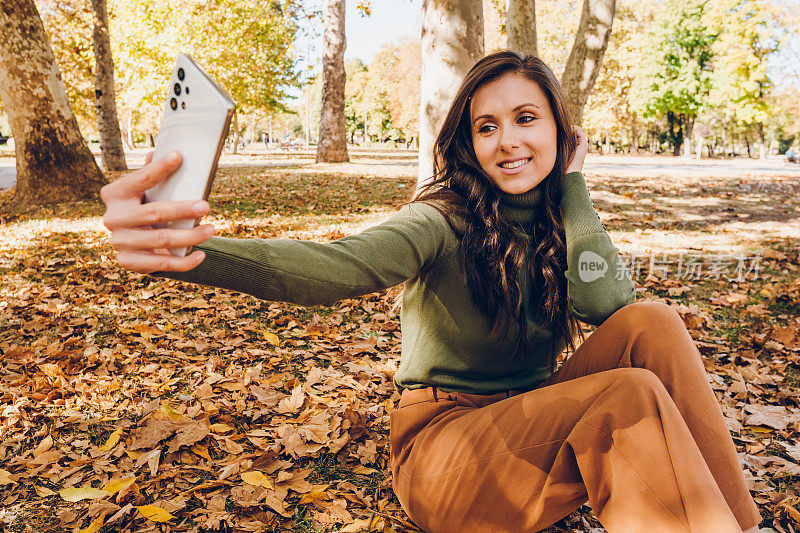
<point>674,77</point>
<point>246,46</point>
<point>53,162</point>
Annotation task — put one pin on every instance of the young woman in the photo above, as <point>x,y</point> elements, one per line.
<point>499,254</point>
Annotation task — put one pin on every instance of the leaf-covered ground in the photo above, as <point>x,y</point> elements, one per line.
<point>132,403</point>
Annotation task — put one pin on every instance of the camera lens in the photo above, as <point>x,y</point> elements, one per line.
<point>181,74</point>
<point>183,105</point>
<point>173,103</point>
<point>177,89</point>
<point>187,89</point>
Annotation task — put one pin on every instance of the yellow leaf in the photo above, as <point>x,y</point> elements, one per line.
<point>112,441</point>
<point>95,526</point>
<point>318,492</point>
<point>5,477</point>
<point>133,454</point>
<point>254,477</point>
<point>221,428</point>
<point>272,338</point>
<point>76,494</point>
<point>156,514</point>
<point>116,485</point>
<point>201,450</point>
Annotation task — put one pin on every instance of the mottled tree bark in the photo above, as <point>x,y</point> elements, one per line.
<point>332,145</point>
<point>521,26</point>
<point>586,56</point>
<point>53,162</point>
<point>452,41</point>
<point>111,151</point>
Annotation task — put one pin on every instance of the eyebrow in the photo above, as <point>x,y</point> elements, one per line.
<point>520,106</point>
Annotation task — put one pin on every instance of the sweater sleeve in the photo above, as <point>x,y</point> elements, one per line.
<point>312,273</point>
<point>598,283</point>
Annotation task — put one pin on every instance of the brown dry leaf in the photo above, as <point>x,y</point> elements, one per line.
<point>357,526</point>
<point>5,477</point>
<point>293,403</point>
<point>785,335</point>
<point>162,424</point>
<point>732,299</point>
<point>362,346</point>
<point>268,397</point>
<point>774,416</point>
<point>693,317</point>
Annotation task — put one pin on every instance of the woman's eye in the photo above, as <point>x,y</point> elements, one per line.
<point>485,128</point>
<point>524,119</point>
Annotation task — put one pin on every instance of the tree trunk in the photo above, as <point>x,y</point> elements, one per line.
<point>332,146</point>
<point>699,152</point>
<point>762,147</point>
<point>235,132</point>
<point>586,56</point>
<point>111,151</point>
<point>687,135</point>
<point>747,143</point>
<point>53,162</point>
<point>452,41</point>
<point>521,26</point>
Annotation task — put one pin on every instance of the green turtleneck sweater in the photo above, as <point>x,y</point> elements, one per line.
<point>445,335</point>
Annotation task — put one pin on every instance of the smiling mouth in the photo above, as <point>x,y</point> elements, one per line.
<point>515,164</point>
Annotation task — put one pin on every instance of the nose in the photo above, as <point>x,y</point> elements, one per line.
<point>508,141</point>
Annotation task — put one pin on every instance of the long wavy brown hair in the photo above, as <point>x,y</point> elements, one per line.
<point>492,254</point>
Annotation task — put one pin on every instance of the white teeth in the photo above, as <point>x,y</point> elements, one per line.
<point>515,164</point>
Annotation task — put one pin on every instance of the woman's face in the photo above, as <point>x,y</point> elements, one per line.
<point>513,132</point>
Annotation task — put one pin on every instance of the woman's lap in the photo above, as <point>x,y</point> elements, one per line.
<point>501,464</point>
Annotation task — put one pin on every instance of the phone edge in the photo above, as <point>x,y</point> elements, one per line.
<point>213,173</point>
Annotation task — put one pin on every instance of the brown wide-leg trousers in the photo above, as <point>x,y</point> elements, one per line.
<point>629,423</point>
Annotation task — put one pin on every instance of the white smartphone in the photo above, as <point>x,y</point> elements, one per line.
<point>197,115</point>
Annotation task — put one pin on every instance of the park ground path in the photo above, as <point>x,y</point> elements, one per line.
<point>620,165</point>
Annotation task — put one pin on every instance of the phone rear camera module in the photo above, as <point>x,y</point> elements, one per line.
<point>173,103</point>
<point>183,105</point>
<point>177,89</point>
<point>181,74</point>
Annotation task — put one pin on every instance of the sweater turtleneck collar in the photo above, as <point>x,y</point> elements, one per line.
<point>523,208</point>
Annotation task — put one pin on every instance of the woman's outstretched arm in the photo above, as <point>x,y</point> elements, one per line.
<point>303,272</point>
<point>312,273</point>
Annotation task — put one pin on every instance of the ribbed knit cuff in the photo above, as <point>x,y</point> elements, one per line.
<point>237,264</point>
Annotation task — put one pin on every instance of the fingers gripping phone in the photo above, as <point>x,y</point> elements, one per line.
<point>197,115</point>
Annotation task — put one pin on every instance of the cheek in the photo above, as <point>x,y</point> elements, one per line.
<point>483,151</point>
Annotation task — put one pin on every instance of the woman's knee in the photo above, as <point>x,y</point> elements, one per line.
<point>638,389</point>
<point>647,314</point>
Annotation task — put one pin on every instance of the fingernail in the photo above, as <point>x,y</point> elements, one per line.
<point>173,157</point>
<point>200,207</point>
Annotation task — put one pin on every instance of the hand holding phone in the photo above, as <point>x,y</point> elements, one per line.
<point>195,122</point>
<point>142,247</point>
